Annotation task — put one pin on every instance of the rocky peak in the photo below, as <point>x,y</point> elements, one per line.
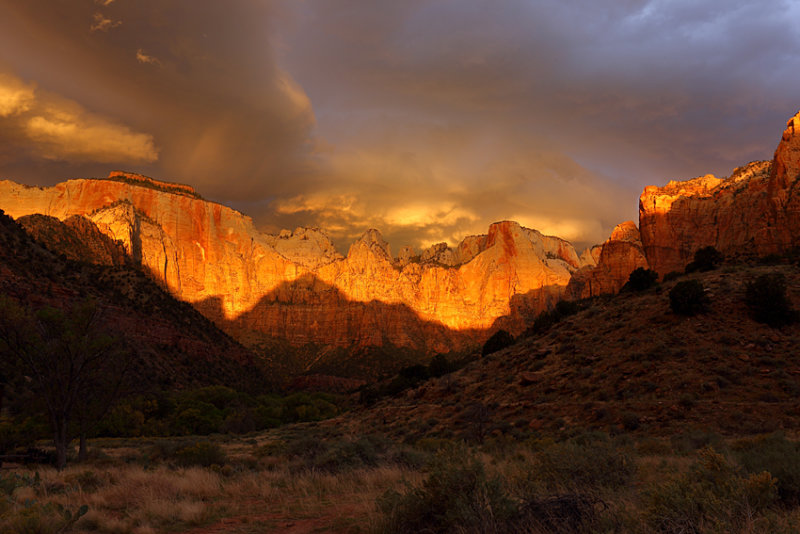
<point>373,242</point>
<point>626,231</point>
<point>786,165</point>
<point>439,253</point>
<point>309,247</point>
<point>405,256</point>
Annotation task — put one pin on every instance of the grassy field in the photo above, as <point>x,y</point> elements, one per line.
<point>309,478</point>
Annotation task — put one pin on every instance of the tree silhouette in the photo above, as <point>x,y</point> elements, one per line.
<point>75,368</point>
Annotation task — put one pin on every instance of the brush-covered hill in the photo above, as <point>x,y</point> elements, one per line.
<point>625,362</point>
<point>175,346</point>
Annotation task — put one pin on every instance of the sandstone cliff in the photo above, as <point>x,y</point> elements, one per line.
<point>618,257</point>
<point>753,212</point>
<point>295,286</point>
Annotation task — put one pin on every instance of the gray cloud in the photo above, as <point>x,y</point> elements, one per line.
<point>428,120</point>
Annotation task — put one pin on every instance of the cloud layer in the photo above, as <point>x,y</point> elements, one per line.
<point>427,120</point>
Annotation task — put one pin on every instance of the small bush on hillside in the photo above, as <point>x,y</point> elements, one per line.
<point>688,298</point>
<point>767,300</point>
<point>565,308</point>
<point>710,497</point>
<point>640,280</point>
<point>779,456</point>
<point>457,496</point>
<point>499,340</point>
<point>440,366</point>
<point>705,259</point>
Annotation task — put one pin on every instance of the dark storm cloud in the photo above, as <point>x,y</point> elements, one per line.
<point>200,77</point>
<point>428,119</point>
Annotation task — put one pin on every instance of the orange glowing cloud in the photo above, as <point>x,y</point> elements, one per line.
<point>59,129</point>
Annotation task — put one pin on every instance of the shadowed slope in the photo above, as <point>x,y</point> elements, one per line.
<point>175,345</point>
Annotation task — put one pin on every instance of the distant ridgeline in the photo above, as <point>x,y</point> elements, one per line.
<point>295,291</point>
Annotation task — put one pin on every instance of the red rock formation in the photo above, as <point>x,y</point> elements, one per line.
<point>753,212</point>
<point>295,285</point>
<point>619,256</point>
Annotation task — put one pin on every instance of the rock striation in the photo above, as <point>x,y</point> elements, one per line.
<point>754,212</point>
<point>295,286</point>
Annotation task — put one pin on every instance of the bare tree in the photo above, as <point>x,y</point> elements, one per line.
<point>70,362</point>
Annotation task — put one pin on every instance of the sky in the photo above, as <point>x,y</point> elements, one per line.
<point>426,119</point>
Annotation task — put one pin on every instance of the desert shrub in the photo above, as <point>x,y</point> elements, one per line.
<point>640,279</point>
<point>440,366</point>
<point>457,496</point>
<point>688,298</point>
<point>348,454</point>
<point>630,421</point>
<point>543,322</point>
<point>415,373</point>
<point>499,340</point>
<point>777,455</point>
<point>689,442</point>
<point>767,300</point>
<point>187,453</point>
<point>705,259</point>
<point>583,463</point>
<point>36,518</point>
<point>711,497</point>
<point>565,308</point>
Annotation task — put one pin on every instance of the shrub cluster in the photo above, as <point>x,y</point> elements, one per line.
<point>777,455</point>
<point>214,409</point>
<point>640,279</point>
<point>497,342</point>
<point>559,494</point>
<point>767,300</point>
<point>410,377</point>
<point>711,497</point>
<point>688,298</point>
<point>705,259</point>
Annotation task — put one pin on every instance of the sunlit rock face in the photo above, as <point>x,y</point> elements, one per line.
<point>296,286</point>
<point>753,212</point>
<point>618,257</point>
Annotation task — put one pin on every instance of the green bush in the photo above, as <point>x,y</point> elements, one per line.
<point>457,496</point>
<point>705,259</point>
<point>499,340</point>
<point>688,298</point>
<point>777,455</point>
<point>640,280</point>
<point>767,300</point>
<point>711,497</point>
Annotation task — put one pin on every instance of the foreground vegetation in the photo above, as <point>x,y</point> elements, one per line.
<point>306,479</point>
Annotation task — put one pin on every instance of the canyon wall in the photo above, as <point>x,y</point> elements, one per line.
<point>754,212</point>
<point>296,286</point>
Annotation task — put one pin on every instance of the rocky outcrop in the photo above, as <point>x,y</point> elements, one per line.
<point>754,212</point>
<point>77,238</point>
<point>295,286</point>
<point>619,256</point>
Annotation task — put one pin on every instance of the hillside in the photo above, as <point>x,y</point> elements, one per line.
<point>176,347</point>
<point>623,363</point>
